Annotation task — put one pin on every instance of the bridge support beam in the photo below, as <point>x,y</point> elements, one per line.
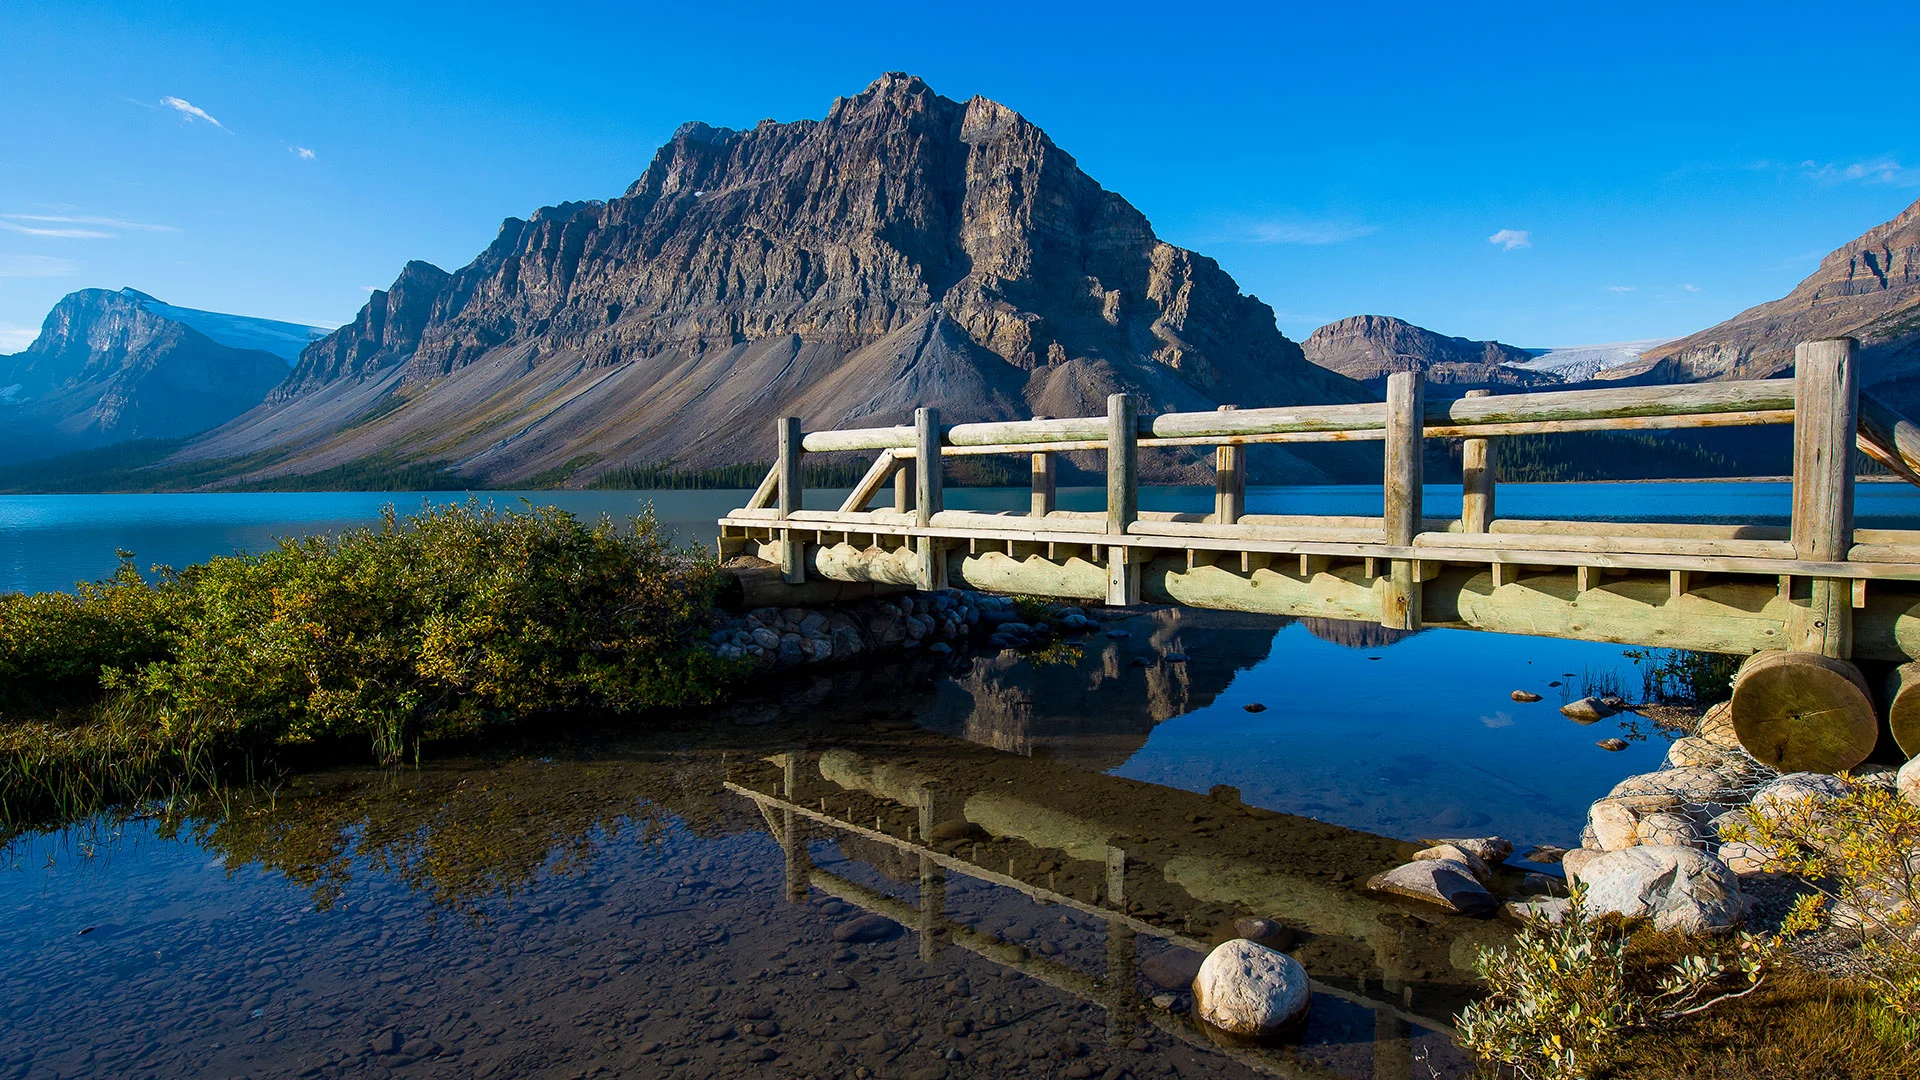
<point>1406,405</point>
<point>1826,406</point>
<point>929,486</point>
<point>790,495</point>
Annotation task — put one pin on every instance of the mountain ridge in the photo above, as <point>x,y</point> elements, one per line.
<point>905,249</point>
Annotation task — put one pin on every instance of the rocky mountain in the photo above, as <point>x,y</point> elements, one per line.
<point>1868,288</point>
<point>905,250</point>
<point>1371,347</point>
<point>111,366</point>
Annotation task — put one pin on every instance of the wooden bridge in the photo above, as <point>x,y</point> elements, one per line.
<point>1832,597</point>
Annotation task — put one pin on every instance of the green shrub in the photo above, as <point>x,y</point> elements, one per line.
<point>427,627</point>
<point>54,645</point>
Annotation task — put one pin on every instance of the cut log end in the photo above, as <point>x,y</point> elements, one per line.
<point>1903,708</point>
<point>1803,712</point>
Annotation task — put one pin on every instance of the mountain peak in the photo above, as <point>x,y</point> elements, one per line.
<point>819,268</point>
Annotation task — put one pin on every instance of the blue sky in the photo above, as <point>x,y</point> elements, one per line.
<point>1648,169</point>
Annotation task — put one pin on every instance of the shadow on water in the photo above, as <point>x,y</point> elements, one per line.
<point>690,902</point>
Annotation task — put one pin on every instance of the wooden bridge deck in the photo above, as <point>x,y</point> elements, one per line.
<point>1819,586</point>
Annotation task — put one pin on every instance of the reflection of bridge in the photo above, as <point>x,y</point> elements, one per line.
<point>1820,588</point>
<point>1060,850</point>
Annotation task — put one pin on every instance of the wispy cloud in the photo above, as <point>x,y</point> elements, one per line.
<point>1883,170</point>
<point>189,111</point>
<point>14,338</point>
<point>1312,233</point>
<point>301,152</point>
<point>1622,288</point>
<point>64,232</point>
<point>76,226</point>
<point>36,266</point>
<point>1508,239</point>
<point>1689,288</point>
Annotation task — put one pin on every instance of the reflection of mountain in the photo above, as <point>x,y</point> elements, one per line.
<point>1096,711</point>
<point>1355,635</point>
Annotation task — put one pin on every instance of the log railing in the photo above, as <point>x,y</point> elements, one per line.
<point>1393,555</point>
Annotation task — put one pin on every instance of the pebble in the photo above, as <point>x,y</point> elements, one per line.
<point>1612,744</point>
<point>1525,695</point>
<point>1254,706</point>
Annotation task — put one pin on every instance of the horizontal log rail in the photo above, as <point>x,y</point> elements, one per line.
<point>1819,565</point>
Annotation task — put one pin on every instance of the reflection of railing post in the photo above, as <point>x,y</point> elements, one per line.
<point>1478,473</point>
<point>798,865</point>
<point>931,569</point>
<point>1826,403</point>
<point>1116,878</point>
<point>1392,1047</point>
<point>1406,403</point>
<point>933,909</point>
<point>1229,481</point>
<point>1123,991</point>
<point>790,498</point>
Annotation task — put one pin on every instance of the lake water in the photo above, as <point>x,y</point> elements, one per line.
<point>687,902</point>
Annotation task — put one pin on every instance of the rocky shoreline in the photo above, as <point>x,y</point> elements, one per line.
<point>938,623</point>
<point>1652,847</point>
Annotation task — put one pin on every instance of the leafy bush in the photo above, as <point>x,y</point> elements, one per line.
<point>1859,853</point>
<point>427,627</point>
<point>1563,994</point>
<point>53,646</point>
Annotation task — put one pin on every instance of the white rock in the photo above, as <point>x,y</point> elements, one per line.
<point>1679,888</point>
<point>1615,824</point>
<point>1249,989</point>
<point>1907,781</point>
<point>1692,750</point>
<point>1454,853</point>
<point>1795,792</point>
<point>1716,726</point>
<point>1743,858</point>
<point>1574,861</point>
<point>1668,827</point>
<point>1875,776</point>
<point>1491,849</point>
<point>1436,881</point>
<point>1547,909</point>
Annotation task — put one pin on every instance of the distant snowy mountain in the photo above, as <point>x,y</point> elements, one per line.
<point>1578,363</point>
<point>282,339</point>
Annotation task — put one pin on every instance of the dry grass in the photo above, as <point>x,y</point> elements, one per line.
<point>1798,1024</point>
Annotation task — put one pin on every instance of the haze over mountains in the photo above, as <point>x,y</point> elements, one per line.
<point>113,366</point>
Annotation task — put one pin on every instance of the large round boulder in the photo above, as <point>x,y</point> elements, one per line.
<point>1248,989</point>
<point>1679,888</point>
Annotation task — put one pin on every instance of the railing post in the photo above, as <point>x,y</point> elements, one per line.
<point>1406,403</point>
<point>792,563</point>
<point>1229,481</point>
<point>928,476</point>
<point>1123,497</point>
<point>1826,405</point>
<point>1479,470</point>
<point>903,486</point>
<point>1042,484</point>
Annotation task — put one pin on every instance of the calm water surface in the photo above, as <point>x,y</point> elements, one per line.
<point>1049,843</point>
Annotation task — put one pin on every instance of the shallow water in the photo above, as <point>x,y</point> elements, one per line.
<point>668,904</point>
<point>600,901</point>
